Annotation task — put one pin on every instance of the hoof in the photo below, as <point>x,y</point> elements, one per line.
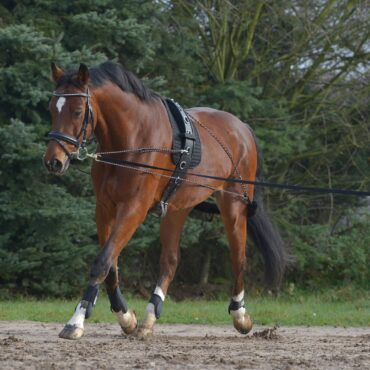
<point>243,324</point>
<point>144,332</point>
<point>127,321</point>
<point>71,332</point>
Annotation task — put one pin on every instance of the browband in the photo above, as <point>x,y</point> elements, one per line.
<point>85,95</point>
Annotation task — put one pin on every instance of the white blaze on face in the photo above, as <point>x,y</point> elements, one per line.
<point>60,103</point>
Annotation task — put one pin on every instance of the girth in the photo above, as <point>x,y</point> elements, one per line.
<point>184,136</point>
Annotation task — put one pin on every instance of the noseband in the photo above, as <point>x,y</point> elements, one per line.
<point>61,138</point>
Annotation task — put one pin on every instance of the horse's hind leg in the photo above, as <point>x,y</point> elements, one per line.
<point>170,232</point>
<point>234,216</point>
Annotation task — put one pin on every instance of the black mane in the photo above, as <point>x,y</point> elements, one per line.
<point>116,74</point>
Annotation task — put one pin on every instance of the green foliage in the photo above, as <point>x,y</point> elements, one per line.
<point>338,308</point>
<point>328,258</point>
<point>234,96</point>
<point>24,83</point>
<point>45,229</point>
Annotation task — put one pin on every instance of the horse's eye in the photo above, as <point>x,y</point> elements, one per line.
<point>77,114</point>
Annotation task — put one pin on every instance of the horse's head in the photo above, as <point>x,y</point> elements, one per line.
<point>72,118</point>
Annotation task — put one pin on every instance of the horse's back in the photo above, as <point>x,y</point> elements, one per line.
<point>216,125</point>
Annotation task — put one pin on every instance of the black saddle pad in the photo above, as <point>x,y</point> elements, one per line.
<point>178,131</point>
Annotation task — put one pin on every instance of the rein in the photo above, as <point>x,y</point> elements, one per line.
<point>145,168</point>
<point>61,138</point>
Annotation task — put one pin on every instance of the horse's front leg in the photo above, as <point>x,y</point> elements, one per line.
<point>170,232</point>
<point>105,267</point>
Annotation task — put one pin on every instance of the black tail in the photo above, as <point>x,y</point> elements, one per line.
<point>266,237</point>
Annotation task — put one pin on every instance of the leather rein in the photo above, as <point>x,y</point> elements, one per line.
<point>61,138</point>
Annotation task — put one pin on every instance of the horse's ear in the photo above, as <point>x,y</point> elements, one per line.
<point>56,72</point>
<point>83,74</point>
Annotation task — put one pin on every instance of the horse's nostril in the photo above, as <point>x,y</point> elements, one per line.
<point>47,164</point>
<point>56,165</point>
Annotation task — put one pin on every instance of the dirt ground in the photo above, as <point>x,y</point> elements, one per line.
<point>32,345</point>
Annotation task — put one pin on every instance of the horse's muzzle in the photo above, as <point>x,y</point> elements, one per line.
<point>56,166</point>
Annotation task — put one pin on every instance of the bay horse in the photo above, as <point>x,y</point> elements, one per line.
<point>115,106</point>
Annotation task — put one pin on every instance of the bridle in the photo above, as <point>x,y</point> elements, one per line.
<point>61,138</point>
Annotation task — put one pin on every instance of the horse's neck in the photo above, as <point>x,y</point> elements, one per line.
<point>124,121</point>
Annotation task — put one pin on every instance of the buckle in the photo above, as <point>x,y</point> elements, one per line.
<point>164,207</point>
<point>81,154</point>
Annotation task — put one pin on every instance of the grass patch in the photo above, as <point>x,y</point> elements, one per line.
<point>300,309</point>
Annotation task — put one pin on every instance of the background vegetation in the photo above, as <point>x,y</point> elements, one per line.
<point>296,70</point>
<point>336,308</point>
